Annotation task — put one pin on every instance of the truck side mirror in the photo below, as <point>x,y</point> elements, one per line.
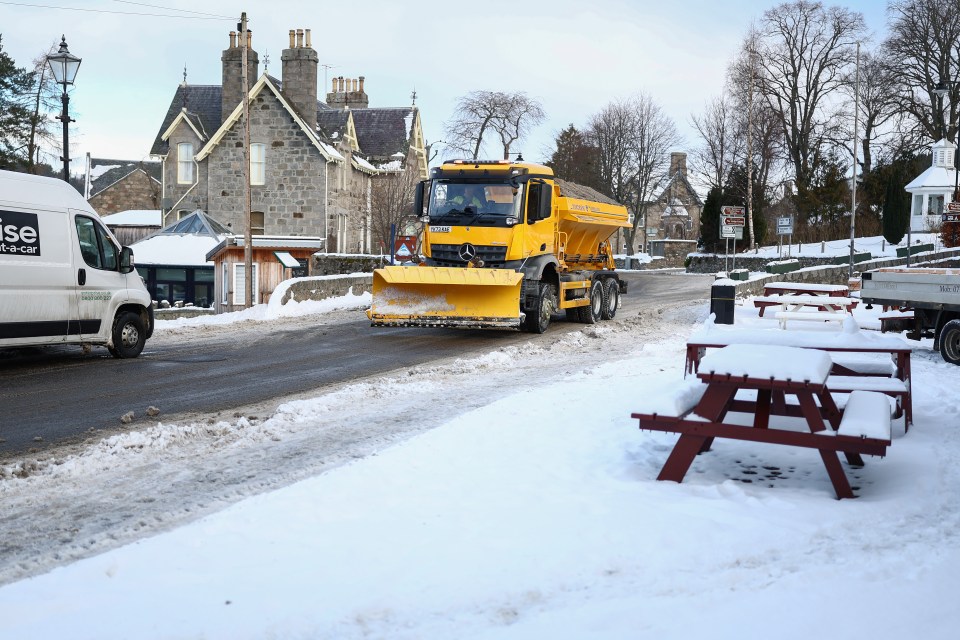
<point>534,201</point>
<point>546,201</point>
<point>126,260</point>
<point>418,200</point>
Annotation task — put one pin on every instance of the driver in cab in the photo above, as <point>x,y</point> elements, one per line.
<point>472,196</point>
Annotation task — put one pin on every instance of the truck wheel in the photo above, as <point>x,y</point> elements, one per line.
<point>950,342</point>
<point>129,335</point>
<point>594,311</point>
<point>611,299</point>
<point>539,320</point>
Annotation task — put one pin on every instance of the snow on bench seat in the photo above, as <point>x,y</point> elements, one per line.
<point>865,366</point>
<point>678,401</point>
<point>866,383</point>
<point>820,316</point>
<point>867,415</point>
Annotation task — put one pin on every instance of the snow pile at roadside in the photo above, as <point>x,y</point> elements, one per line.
<point>537,515</point>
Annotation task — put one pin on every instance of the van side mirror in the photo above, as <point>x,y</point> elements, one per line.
<point>418,200</point>
<point>126,260</point>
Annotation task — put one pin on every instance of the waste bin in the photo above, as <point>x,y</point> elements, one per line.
<point>722,301</point>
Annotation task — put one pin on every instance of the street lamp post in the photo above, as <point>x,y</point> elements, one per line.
<point>64,66</point>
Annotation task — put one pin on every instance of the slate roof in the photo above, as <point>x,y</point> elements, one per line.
<point>203,108</point>
<point>106,172</point>
<point>333,123</point>
<point>382,132</point>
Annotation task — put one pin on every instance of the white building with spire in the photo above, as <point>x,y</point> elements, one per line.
<point>933,188</point>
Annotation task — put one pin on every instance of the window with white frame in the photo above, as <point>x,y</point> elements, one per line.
<point>184,163</point>
<point>257,223</point>
<point>225,283</point>
<point>258,163</point>
<point>240,284</point>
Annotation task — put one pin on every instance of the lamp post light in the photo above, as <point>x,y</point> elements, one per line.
<point>64,66</point>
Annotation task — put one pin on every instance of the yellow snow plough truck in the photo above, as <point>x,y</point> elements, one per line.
<point>506,245</point>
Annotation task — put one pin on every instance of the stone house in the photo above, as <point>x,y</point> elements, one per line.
<point>675,213</point>
<point>111,186</point>
<point>312,163</point>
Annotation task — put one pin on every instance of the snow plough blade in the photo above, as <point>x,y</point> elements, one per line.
<point>446,297</point>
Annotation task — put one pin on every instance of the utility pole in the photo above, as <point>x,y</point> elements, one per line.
<point>856,142</point>
<point>749,155</point>
<point>247,233</point>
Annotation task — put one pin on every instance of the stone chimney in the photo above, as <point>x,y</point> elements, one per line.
<point>678,162</point>
<point>348,93</point>
<point>232,84</point>
<point>300,64</point>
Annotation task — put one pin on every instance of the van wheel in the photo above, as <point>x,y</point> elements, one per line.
<point>611,298</point>
<point>129,335</point>
<point>950,342</point>
<point>591,313</point>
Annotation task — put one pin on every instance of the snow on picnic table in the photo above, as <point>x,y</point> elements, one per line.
<point>539,516</point>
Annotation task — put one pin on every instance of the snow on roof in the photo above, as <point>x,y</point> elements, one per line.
<point>99,170</point>
<point>189,250</point>
<point>134,218</point>
<point>393,165</point>
<point>934,177</point>
<point>363,165</point>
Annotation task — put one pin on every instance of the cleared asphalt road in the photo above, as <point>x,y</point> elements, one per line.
<point>56,395</point>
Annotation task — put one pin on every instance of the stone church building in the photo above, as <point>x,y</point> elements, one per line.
<point>312,162</point>
<point>675,213</point>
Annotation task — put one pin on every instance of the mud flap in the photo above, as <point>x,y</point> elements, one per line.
<point>446,297</point>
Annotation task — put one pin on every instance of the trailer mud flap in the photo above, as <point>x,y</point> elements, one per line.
<point>446,297</point>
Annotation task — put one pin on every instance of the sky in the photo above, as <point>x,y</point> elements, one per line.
<point>575,57</point>
<point>530,510</point>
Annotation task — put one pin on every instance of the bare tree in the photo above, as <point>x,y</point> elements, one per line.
<point>45,98</point>
<point>720,145</point>
<point>924,40</point>
<point>803,51</point>
<point>481,115</point>
<point>633,139</point>
<point>391,203</point>
<point>879,105</point>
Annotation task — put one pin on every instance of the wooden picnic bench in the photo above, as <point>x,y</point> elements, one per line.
<point>798,302</point>
<point>853,355</point>
<point>774,372</point>
<point>805,289</point>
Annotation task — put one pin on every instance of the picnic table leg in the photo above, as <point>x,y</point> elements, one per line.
<point>761,417</point>
<point>715,402</point>
<point>903,366</point>
<point>810,411</point>
<point>837,476</point>
<point>680,459</point>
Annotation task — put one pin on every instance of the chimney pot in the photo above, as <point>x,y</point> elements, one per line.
<point>293,35</point>
<point>299,38</point>
<point>233,39</point>
<point>307,32</point>
<point>361,84</point>
<point>333,89</point>
<point>249,39</point>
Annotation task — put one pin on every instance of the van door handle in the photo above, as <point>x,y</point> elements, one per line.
<point>82,277</point>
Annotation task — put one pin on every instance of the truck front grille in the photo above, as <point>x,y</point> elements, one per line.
<point>448,255</point>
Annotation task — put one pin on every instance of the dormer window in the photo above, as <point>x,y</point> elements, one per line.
<point>184,163</point>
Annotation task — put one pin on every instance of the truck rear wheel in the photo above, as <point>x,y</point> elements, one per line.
<point>129,335</point>
<point>539,319</point>
<point>950,342</point>
<point>611,299</point>
<point>591,313</point>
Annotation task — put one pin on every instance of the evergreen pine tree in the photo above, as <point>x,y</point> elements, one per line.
<point>710,221</point>
<point>896,209</point>
<point>15,114</point>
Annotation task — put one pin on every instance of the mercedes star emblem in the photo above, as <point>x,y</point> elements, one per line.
<point>467,252</point>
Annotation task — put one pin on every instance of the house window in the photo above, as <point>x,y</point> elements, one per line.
<point>256,223</point>
<point>225,283</point>
<point>182,213</point>
<point>258,163</point>
<point>184,163</point>
<point>240,284</point>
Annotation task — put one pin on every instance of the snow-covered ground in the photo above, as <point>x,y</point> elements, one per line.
<point>877,246</point>
<point>504,496</point>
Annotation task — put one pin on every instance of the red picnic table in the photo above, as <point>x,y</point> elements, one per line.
<point>893,381</point>
<point>805,289</point>
<point>774,372</point>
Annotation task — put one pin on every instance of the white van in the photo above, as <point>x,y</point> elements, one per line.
<point>64,279</point>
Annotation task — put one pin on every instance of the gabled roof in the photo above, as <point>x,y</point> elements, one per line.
<point>383,132</point>
<point>203,106</point>
<point>266,83</point>
<point>104,173</point>
<point>134,218</point>
<point>682,179</point>
<point>184,242</point>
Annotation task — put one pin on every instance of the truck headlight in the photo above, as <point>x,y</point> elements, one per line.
<point>511,221</point>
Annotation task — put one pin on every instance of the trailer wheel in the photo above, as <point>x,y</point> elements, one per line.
<point>591,313</point>
<point>129,335</point>
<point>950,342</point>
<point>539,320</point>
<point>611,299</point>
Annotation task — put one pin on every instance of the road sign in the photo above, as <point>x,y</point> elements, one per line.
<point>784,231</point>
<point>733,221</point>
<point>730,231</point>
<point>951,217</point>
<point>733,211</point>
<point>404,247</point>
<point>953,207</point>
<point>785,221</point>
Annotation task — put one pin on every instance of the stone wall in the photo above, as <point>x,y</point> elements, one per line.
<point>325,264</point>
<point>323,288</point>
<point>135,191</point>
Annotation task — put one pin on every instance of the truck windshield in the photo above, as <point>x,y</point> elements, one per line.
<point>464,203</point>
